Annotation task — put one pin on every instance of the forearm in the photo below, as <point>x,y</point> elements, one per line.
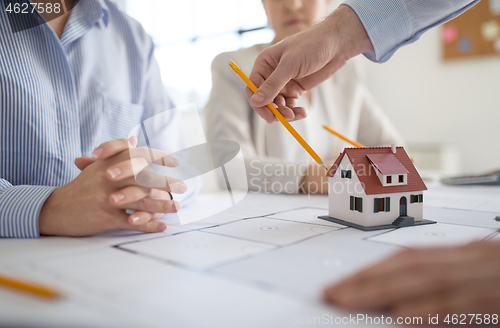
<point>345,29</point>
<point>392,24</point>
<point>20,208</point>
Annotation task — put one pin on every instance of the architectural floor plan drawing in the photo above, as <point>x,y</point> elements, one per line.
<point>269,251</point>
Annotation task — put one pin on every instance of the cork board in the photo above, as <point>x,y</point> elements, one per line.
<point>475,33</point>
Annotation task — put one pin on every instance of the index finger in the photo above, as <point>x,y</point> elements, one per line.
<point>272,84</point>
<point>127,148</point>
<point>270,73</point>
<point>113,147</point>
<point>154,156</point>
<point>263,112</point>
<point>263,67</point>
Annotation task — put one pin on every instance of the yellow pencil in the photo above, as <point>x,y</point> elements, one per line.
<point>354,143</point>
<point>29,287</point>
<point>280,117</point>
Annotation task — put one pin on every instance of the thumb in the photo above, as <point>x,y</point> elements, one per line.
<point>272,86</point>
<point>82,162</point>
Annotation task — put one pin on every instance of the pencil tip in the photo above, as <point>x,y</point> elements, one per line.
<point>323,164</point>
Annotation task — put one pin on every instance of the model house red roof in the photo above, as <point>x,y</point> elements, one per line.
<point>387,163</point>
<point>385,159</point>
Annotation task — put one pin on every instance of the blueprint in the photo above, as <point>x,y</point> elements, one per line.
<point>227,270</point>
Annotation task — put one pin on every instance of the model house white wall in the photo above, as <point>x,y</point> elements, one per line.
<point>341,190</point>
<point>412,209</point>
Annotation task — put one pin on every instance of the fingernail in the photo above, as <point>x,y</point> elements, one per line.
<point>97,152</point>
<point>299,117</point>
<point>177,206</point>
<point>175,161</point>
<point>114,172</point>
<point>136,219</point>
<point>182,187</point>
<point>162,227</point>
<point>258,98</point>
<point>117,198</point>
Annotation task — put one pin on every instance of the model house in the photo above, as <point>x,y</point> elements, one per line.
<point>375,188</point>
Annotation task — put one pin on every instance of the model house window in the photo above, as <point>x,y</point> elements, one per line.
<point>389,179</point>
<point>356,204</point>
<point>382,204</point>
<point>346,174</point>
<point>416,198</point>
<point>401,178</point>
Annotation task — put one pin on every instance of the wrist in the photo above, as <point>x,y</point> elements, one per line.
<point>348,32</point>
<point>47,216</point>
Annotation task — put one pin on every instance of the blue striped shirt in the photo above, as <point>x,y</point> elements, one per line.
<point>391,24</point>
<point>61,98</point>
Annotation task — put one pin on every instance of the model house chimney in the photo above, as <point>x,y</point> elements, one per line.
<point>393,148</point>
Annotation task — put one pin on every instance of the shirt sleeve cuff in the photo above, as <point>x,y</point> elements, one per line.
<point>388,24</point>
<point>19,210</point>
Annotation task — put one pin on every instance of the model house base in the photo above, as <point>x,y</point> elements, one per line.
<point>375,188</point>
<point>377,227</point>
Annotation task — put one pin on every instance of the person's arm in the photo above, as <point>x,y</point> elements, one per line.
<point>429,281</point>
<point>392,24</point>
<point>111,183</point>
<point>93,202</point>
<point>229,117</point>
<point>304,60</point>
<point>376,28</point>
<point>19,209</point>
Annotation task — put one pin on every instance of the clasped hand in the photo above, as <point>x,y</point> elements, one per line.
<point>115,179</point>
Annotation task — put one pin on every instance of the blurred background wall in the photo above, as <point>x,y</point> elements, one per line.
<point>449,112</point>
<point>452,106</point>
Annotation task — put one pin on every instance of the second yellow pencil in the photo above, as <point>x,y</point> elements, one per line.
<point>30,287</point>
<point>354,143</point>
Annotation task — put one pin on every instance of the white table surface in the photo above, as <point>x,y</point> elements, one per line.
<point>263,272</point>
